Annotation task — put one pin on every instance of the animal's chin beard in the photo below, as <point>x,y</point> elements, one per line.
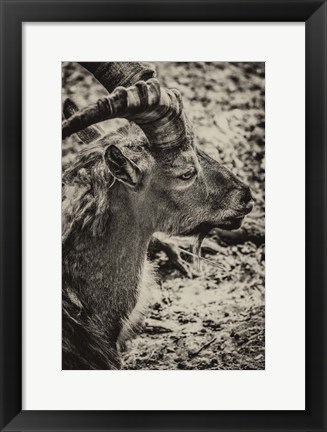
<point>197,245</point>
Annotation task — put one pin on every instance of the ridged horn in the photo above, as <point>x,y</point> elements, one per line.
<point>115,74</point>
<point>157,110</point>
<point>87,135</point>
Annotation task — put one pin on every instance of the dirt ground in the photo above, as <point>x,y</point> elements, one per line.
<point>214,318</point>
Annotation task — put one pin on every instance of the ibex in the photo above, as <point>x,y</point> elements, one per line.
<point>148,176</point>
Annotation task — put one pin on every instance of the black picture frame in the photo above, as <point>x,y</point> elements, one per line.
<point>13,14</point>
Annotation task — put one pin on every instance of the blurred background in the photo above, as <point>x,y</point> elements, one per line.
<point>212,315</point>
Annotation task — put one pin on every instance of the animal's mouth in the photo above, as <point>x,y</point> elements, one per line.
<point>235,220</point>
<point>204,228</point>
<point>232,222</point>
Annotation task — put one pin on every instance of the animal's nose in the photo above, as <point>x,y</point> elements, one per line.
<point>246,195</point>
<point>246,199</point>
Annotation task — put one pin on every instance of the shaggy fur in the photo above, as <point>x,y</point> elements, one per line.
<point>90,337</point>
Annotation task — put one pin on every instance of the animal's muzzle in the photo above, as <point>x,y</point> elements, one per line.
<point>241,203</point>
<point>246,200</point>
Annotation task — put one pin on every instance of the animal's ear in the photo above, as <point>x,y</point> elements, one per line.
<point>122,168</point>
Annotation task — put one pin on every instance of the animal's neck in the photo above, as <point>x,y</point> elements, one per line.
<point>106,270</point>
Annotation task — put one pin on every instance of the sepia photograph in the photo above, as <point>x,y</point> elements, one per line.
<point>163,215</point>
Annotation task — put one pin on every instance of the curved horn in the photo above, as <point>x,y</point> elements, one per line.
<point>87,135</point>
<point>114,74</point>
<point>157,111</point>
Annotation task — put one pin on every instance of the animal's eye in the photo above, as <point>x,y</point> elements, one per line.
<point>188,174</point>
